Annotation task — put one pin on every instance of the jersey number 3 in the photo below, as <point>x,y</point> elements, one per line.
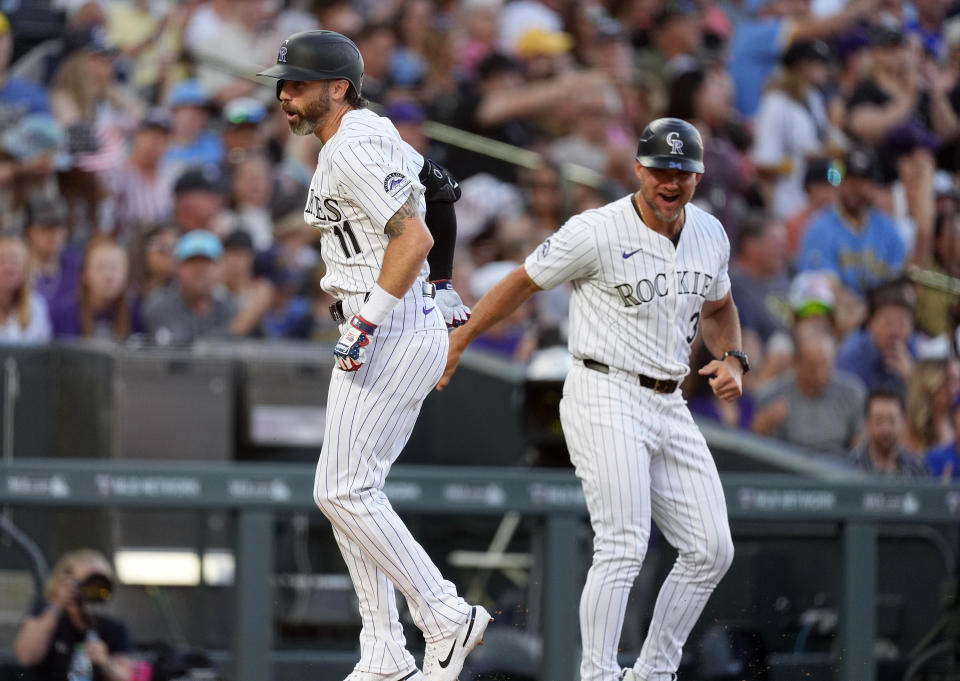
<point>696,323</point>
<point>342,235</point>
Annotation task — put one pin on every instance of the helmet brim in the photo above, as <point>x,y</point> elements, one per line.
<point>671,163</point>
<point>284,72</point>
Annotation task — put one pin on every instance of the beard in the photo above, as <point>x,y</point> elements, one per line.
<point>310,118</point>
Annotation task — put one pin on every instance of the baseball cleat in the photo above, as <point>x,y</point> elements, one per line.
<point>409,675</point>
<point>443,659</point>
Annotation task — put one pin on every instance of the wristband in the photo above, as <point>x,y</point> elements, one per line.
<point>378,306</point>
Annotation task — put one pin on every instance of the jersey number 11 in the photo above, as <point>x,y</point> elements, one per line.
<point>348,231</point>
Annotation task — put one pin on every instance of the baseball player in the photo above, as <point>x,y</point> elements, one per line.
<point>367,200</point>
<point>648,272</point>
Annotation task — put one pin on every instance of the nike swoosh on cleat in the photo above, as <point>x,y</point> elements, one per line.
<point>427,310</point>
<point>445,663</point>
<point>631,253</point>
<point>473,615</point>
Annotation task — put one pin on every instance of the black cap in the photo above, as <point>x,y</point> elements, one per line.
<point>882,35</point>
<point>43,210</point>
<point>200,178</point>
<point>317,55</point>
<point>822,170</point>
<point>496,63</point>
<point>156,119</point>
<point>238,240</point>
<point>805,51</point>
<point>861,162</point>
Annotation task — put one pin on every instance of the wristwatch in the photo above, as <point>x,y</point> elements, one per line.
<point>740,355</point>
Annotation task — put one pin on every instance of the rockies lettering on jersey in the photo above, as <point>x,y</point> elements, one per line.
<point>365,173</point>
<point>636,297</point>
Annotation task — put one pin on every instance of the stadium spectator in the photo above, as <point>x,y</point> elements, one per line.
<point>18,96</point>
<point>234,44</point>
<point>61,627</point>
<point>480,35</point>
<point>27,154</point>
<point>141,192</point>
<point>944,462</point>
<point>101,308</point>
<point>904,90</point>
<point>241,133</point>
<point>24,316</point>
<point>820,181</point>
<point>792,125</point>
<point>770,29</point>
<point>882,452</point>
<point>408,117</point>
<point>55,268</point>
<point>196,307</point>
<point>191,142</point>
<point>153,264</point>
<point>251,191</point>
<point>814,406</point>
<point>852,239</point>
<point>677,32</point>
<point>882,354</point>
<point>931,390</point>
<point>253,294</point>
<point>703,95</point>
<point>759,280</point>
<point>933,305</point>
<point>198,196</point>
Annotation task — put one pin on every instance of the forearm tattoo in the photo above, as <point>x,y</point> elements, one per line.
<point>395,225</point>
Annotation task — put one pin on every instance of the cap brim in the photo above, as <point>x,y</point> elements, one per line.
<point>668,163</point>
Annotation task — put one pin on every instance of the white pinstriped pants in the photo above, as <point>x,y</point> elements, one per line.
<point>370,415</point>
<point>639,454</point>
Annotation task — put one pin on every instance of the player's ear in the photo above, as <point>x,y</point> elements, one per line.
<point>338,89</point>
<point>637,169</point>
<point>698,177</point>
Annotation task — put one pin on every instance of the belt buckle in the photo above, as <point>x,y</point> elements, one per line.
<point>336,311</point>
<point>429,289</point>
<point>659,385</point>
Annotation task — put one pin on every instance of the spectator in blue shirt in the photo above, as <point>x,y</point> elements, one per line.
<point>944,462</point>
<point>191,142</point>
<point>772,27</point>
<point>882,353</point>
<point>852,240</point>
<point>18,97</point>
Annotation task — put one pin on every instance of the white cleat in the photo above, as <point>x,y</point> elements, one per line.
<point>443,660</point>
<point>409,675</point>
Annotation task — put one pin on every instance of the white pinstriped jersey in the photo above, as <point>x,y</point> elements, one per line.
<point>636,297</point>
<point>365,173</point>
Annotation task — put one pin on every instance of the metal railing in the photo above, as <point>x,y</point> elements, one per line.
<point>554,497</point>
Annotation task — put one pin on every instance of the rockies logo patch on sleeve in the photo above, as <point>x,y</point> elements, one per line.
<point>393,182</point>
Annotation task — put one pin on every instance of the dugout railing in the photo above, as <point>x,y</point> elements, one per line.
<point>249,491</point>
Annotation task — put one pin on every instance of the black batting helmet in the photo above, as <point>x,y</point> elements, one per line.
<point>671,143</point>
<point>317,55</point>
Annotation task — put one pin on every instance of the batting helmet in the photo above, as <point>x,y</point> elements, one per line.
<point>317,55</point>
<point>671,143</point>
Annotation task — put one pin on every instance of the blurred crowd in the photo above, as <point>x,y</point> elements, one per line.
<point>150,188</point>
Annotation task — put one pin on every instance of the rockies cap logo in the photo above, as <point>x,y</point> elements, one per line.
<point>676,144</point>
<point>282,57</point>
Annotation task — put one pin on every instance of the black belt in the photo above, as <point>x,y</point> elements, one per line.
<point>658,385</point>
<point>336,309</point>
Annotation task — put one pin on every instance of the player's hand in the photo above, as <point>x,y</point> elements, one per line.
<point>725,379</point>
<point>454,312</point>
<point>458,344</point>
<point>351,349</point>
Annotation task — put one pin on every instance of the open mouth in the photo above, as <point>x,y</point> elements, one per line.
<point>671,200</point>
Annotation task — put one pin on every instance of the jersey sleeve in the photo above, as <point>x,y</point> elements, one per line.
<point>376,175</point>
<point>569,254</point>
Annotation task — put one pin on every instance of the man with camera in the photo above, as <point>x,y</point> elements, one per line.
<point>63,640</point>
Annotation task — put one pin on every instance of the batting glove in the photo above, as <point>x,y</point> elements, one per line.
<point>454,312</point>
<point>351,349</point>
